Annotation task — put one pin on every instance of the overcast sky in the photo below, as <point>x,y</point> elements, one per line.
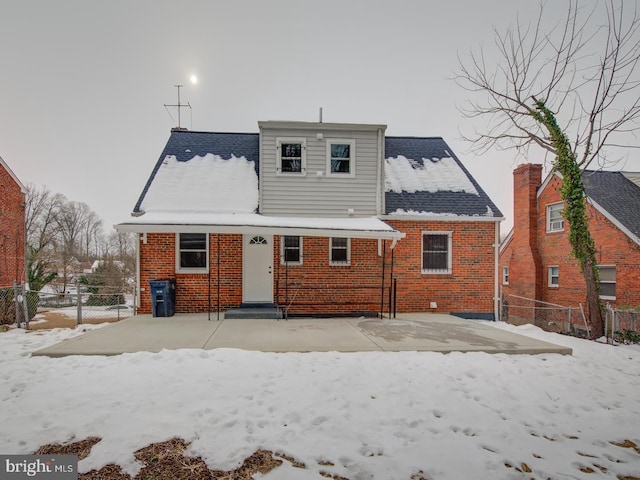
<point>83,83</point>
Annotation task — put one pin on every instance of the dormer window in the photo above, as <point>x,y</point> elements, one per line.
<point>292,156</point>
<point>341,156</point>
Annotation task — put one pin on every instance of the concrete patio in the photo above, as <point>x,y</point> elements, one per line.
<point>409,332</point>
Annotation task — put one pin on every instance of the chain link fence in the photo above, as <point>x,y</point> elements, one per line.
<point>550,317</point>
<point>30,309</point>
<point>622,325</point>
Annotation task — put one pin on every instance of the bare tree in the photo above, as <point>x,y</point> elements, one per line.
<point>71,220</point>
<point>41,210</point>
<point>572,90</point>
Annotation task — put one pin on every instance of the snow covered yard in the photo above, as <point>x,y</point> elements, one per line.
<point>349,415</point>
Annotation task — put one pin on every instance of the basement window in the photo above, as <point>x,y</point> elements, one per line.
<point>192,253</point>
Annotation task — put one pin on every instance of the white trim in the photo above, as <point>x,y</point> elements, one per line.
<point>550,276</point>
<point>505,268</point>
<point>547,219</point>
<point>615,221</point>
<point>352,157</point>
<point>615,269</point>
<point>303,156</point>
<point>13,175</point>
<point>546,181</point>
<point>340,264</point>
<point>282,262</point>
<point>354,227</point>
<point>449,269</point>
<point>199,270</point>
<point>319,126</point>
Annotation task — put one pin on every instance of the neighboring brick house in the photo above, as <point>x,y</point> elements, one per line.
<point>318,219</point>
<point>536,259</point>
<point>12,227</point>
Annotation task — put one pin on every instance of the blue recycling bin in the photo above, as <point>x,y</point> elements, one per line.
<point>163,297</point>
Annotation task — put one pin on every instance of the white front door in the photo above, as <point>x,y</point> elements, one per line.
<point>257,269</point>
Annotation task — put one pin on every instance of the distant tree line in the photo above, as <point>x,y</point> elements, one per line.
<point>63,234</point>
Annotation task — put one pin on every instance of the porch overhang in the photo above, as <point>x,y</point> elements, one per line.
<point>252,223</point>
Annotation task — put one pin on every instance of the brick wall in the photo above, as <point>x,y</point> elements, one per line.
<point>525,267</point>
<point>613,248</point>
<point>470,286</point>
<point>194,292</point>
<point>316,287</point>
<point>12,230</point>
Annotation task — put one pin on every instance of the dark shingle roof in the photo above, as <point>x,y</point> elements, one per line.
<point>185,145</point>
<point>441,202</point>
<point>617,195</point>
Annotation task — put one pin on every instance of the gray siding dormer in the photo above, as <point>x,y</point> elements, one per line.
<point>302,175</point>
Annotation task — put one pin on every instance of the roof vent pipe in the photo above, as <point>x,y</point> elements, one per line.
<point>320,114</point>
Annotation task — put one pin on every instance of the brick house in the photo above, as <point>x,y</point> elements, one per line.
<point>316,219</point>
<point>535,257</point>
<point>12,227</point>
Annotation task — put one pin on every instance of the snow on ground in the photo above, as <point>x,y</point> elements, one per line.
<point>373,415</point>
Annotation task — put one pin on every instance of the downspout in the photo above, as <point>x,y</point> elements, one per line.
<point>138,295</point>
<point>496,291</point>
<point>259,172</point>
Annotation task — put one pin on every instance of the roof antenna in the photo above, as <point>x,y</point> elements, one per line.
<point>320,114</point>
<point>179,106</point>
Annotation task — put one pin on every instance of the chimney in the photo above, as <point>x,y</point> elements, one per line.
<point>525,267</point>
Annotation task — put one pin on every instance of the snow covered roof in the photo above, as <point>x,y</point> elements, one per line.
<point>423,177</point>
<point>209,182</point>
<point>183,146</point>
<point>203,184</point>
<point>354,227</point>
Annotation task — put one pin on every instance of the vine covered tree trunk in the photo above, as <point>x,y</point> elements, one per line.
<point>575,212</point>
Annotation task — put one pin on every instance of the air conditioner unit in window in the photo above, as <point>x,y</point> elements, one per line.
<point>557,225</point>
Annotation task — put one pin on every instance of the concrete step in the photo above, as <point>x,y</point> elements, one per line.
<point>269,312</point>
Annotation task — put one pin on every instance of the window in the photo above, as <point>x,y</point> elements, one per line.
<point>192,252</point>
<point>607,282</point>
<point>339,251</point>
<point>341,157</point>
<point>505,275</point>
<point>292,156</point>
<point>555,220</point>
<point>554,276</point>
<point>436,252</point>
<point>292,250</point>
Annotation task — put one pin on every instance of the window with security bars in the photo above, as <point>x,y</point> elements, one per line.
<point>339,251</point>
<point>436,252</point>
<point>292,250</point>
<point>555,220</point>
<point>607,282</point>
<point>192,252</point>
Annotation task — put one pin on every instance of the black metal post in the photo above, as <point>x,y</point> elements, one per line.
<point>384,251</point>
